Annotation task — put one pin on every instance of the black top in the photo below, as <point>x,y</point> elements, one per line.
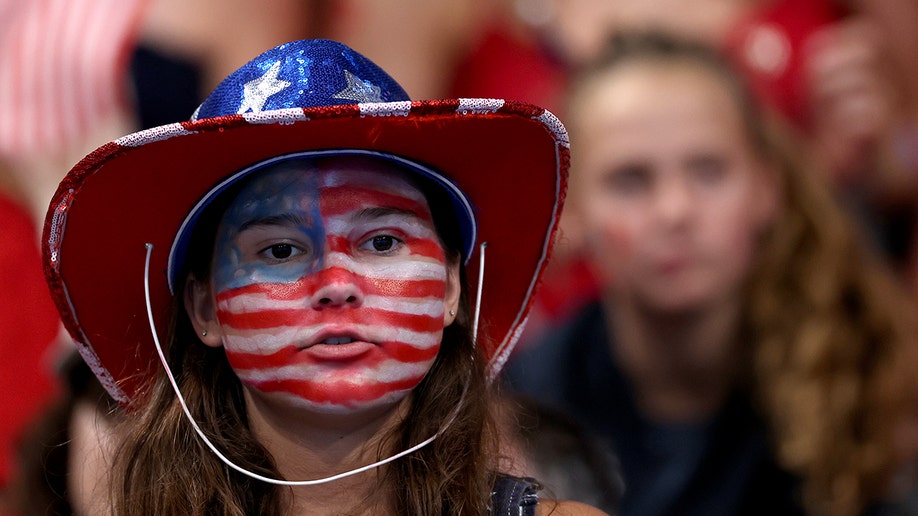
<point>723,466</point>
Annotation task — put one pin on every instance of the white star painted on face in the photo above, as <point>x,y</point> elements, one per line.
<point>359,90</point>
<point>257,91</point>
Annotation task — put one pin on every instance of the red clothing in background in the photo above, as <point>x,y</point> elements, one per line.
<point>28,329</point>
<point>769,47</point>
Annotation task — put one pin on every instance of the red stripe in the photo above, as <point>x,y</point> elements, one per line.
<point>306,287</point>
<point>339,200</point>
<point>290,355</point>
<point>427,248</point>
<point>339,392</point>
<point>338,244</point>
<point>408,353</point>
<point>266,319</point>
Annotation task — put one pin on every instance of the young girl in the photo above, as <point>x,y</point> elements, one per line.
<point>301,248</point>
<point>744,338</point>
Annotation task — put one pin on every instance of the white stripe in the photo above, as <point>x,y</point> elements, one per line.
<point>401,108</point>
<point>154,134</point>
<point>395,371</point>
<point>110,18</point>
<point>70,70</point>
<point>479,106</point>
<point>556,127</point>
<point>277,116</point>
<point>430,306</point>
<point>271,340</point>
<point>416,269</point>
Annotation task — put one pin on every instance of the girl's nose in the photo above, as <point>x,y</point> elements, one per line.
<point>337,287</point>
<point>674,203</point>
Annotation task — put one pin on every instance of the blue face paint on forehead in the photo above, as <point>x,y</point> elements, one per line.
<point>285,197</point>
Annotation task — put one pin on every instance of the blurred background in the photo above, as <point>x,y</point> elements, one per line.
<point>840,79</point>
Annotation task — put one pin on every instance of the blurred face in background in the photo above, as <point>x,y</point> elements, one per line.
<point>672,194</point>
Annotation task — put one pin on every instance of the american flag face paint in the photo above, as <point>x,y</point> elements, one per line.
<point>330,285</point>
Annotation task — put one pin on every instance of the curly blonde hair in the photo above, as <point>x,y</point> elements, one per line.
<point>832,329</point>
<point>834,340</point>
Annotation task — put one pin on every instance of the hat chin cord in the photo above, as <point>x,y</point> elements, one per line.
<point>240,469</point>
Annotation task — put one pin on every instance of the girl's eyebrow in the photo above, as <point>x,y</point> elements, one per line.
<point>283,219</point>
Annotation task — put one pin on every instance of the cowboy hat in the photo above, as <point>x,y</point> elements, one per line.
<point>503,165</point>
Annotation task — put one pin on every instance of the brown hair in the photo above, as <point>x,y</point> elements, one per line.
<point>834,340</point>
<point>830,326</point>
<point>165,468</point>
<point>44,455</point>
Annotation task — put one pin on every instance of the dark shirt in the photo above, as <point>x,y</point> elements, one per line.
<point>723,466</point>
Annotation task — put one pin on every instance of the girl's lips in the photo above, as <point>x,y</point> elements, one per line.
<point>672,267</point>
<point>339,352</point>
<point>335,336</point>
<point>673,264</point>
<point>337,344</point>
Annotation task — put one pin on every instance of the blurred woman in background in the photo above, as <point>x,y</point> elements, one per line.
<point>748,355</point>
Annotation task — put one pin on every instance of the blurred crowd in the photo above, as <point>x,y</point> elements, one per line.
<point>728,322</point>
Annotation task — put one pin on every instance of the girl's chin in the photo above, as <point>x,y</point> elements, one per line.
<point>344,404</point>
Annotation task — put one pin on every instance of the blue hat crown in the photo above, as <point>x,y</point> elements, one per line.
<point>301,74</point>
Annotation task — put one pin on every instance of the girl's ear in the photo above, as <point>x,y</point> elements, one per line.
<point>201,309</point>
<point>453,290</point>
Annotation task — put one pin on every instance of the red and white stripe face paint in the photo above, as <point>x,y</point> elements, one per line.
<point>330,285</point>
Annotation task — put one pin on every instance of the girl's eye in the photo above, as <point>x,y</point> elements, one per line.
<point>708,169</point>
<point>383,244</point>
<point>280,251</point>
<point>629,179</point>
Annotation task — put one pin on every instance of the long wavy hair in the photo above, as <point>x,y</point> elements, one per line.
<point>830,327</point>
<point>835,338</point>
<point>164,468</point>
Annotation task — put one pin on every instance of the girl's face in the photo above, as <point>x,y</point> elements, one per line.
<point>672,194</point>
<point>330,288</point>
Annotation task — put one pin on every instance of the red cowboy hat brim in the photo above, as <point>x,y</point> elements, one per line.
<point>509,158</point>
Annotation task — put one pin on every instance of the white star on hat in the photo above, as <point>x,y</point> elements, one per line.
<point>359,90</point>
<point>257,91</point>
